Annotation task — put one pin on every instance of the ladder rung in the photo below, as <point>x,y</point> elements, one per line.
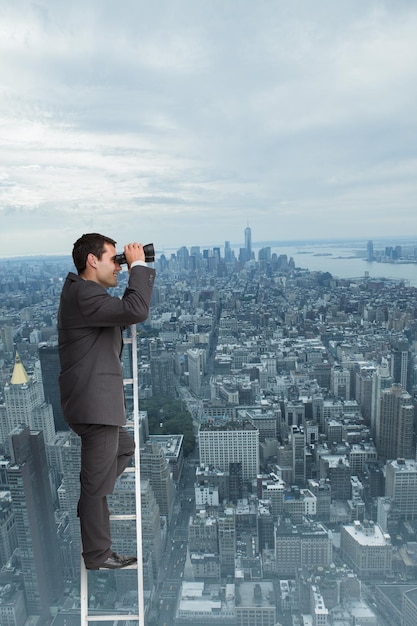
<point>127,340</point>
<point>131,516</point>
<point>129,470</point>
<point>128,381</point>
<point>110,618</point>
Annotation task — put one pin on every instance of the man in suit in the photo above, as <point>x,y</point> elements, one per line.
<point>90,324</point>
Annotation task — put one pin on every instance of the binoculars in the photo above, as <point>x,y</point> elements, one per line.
<point>149,255</point>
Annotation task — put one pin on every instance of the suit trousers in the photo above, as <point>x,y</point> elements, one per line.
<point>105,454</point>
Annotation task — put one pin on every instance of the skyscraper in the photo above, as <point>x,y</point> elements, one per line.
<point>366,548</point>
<point>233,442</point>
<point>401,486</point>
<point>381,379</point>
<point>123,533</point>
<point>227,541</point>
<point>248,243</point>
<point>340,382</point>
<point>151,528</point>
<point>394,428</point>
<point>400,362</point>
<point>228,253</point>
<point>8,534</point>
<point>298,444</point>
<point>50,367</point>
<point>370,251</point>
<point>155,467</point>
<point>162,374</point>
<point>25,403</point>
<point>35,522</point>
<point>196,365</point>
<point>70,490</point>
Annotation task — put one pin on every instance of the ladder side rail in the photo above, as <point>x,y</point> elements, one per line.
<point>85,617</point>
<point>83,594</point>
<point>141,602</point>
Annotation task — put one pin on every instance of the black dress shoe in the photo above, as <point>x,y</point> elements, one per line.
<point>115,561</point>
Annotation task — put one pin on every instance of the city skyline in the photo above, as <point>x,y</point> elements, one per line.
<point>296,119</point>
<point>291,381</point>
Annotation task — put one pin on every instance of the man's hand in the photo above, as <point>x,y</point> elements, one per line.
<point>134,252</point>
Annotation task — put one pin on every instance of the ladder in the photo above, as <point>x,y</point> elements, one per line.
<point>138,617</point>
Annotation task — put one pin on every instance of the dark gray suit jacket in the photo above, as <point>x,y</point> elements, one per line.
<point>90,323</point>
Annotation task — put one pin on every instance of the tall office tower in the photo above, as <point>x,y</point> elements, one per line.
<point>7,338</point>
<point>248,243</point>
<point>50,368</point>
<point>202,533</point>
<point>272,490</point>
<point>235,482</point>
<point>264,255</point>
<point>322,373</point>
<point>25,403</point>
<point>183,255</point>
<point>206,496</point>
<point>229,443</point>
<point>370,251</point>
<point>334,430</point>
<point>13,610</point>
<point>294,413</point>
<point>215,478</point>
<point>381,379</point>
<point>151,525</point>
<point>285,461</point>
<point>269,361</point>
<point>195,251</point>
<point>395,425</point>
<point>162,376</point>
<point>401,363</point>
<point>376,479</point>
<point>123,533</point>
<point>323,492</point>
<point>228,253</point>
<point>196,365</point>
<point>409,607</point>
<point>155,467</point>
<point>366,549</point>
<point>265,420</point>
<point>363,391</point>
<point>226,527</point>
<point>299,546</point>
<point>266,536</point>
<point>36,530</point>
<point>318,609</point>
<point>298,444</point>
<point>256,604</point>
<point>4,430</point>
<point>336,469</point>
<point>340,382</point>
<point>127,360</point>
<point>123,500</point>
<point>217,254</point>
<point>401,486</point>
<point>8,531</point>
<point>69,495</point>
<point>213,260</point>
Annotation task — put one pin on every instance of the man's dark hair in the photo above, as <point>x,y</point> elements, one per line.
<point>91,242</point>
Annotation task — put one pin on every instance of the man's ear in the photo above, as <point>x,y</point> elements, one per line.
<point>92,260</point>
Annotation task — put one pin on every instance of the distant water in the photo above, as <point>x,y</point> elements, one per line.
<point>344,262</point>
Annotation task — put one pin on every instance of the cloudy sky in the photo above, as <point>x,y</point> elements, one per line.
<point>182,121</point>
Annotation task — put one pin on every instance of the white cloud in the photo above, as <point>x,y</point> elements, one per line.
<point>194,118</point>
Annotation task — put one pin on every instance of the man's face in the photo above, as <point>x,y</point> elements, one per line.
<point>107,268</point>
